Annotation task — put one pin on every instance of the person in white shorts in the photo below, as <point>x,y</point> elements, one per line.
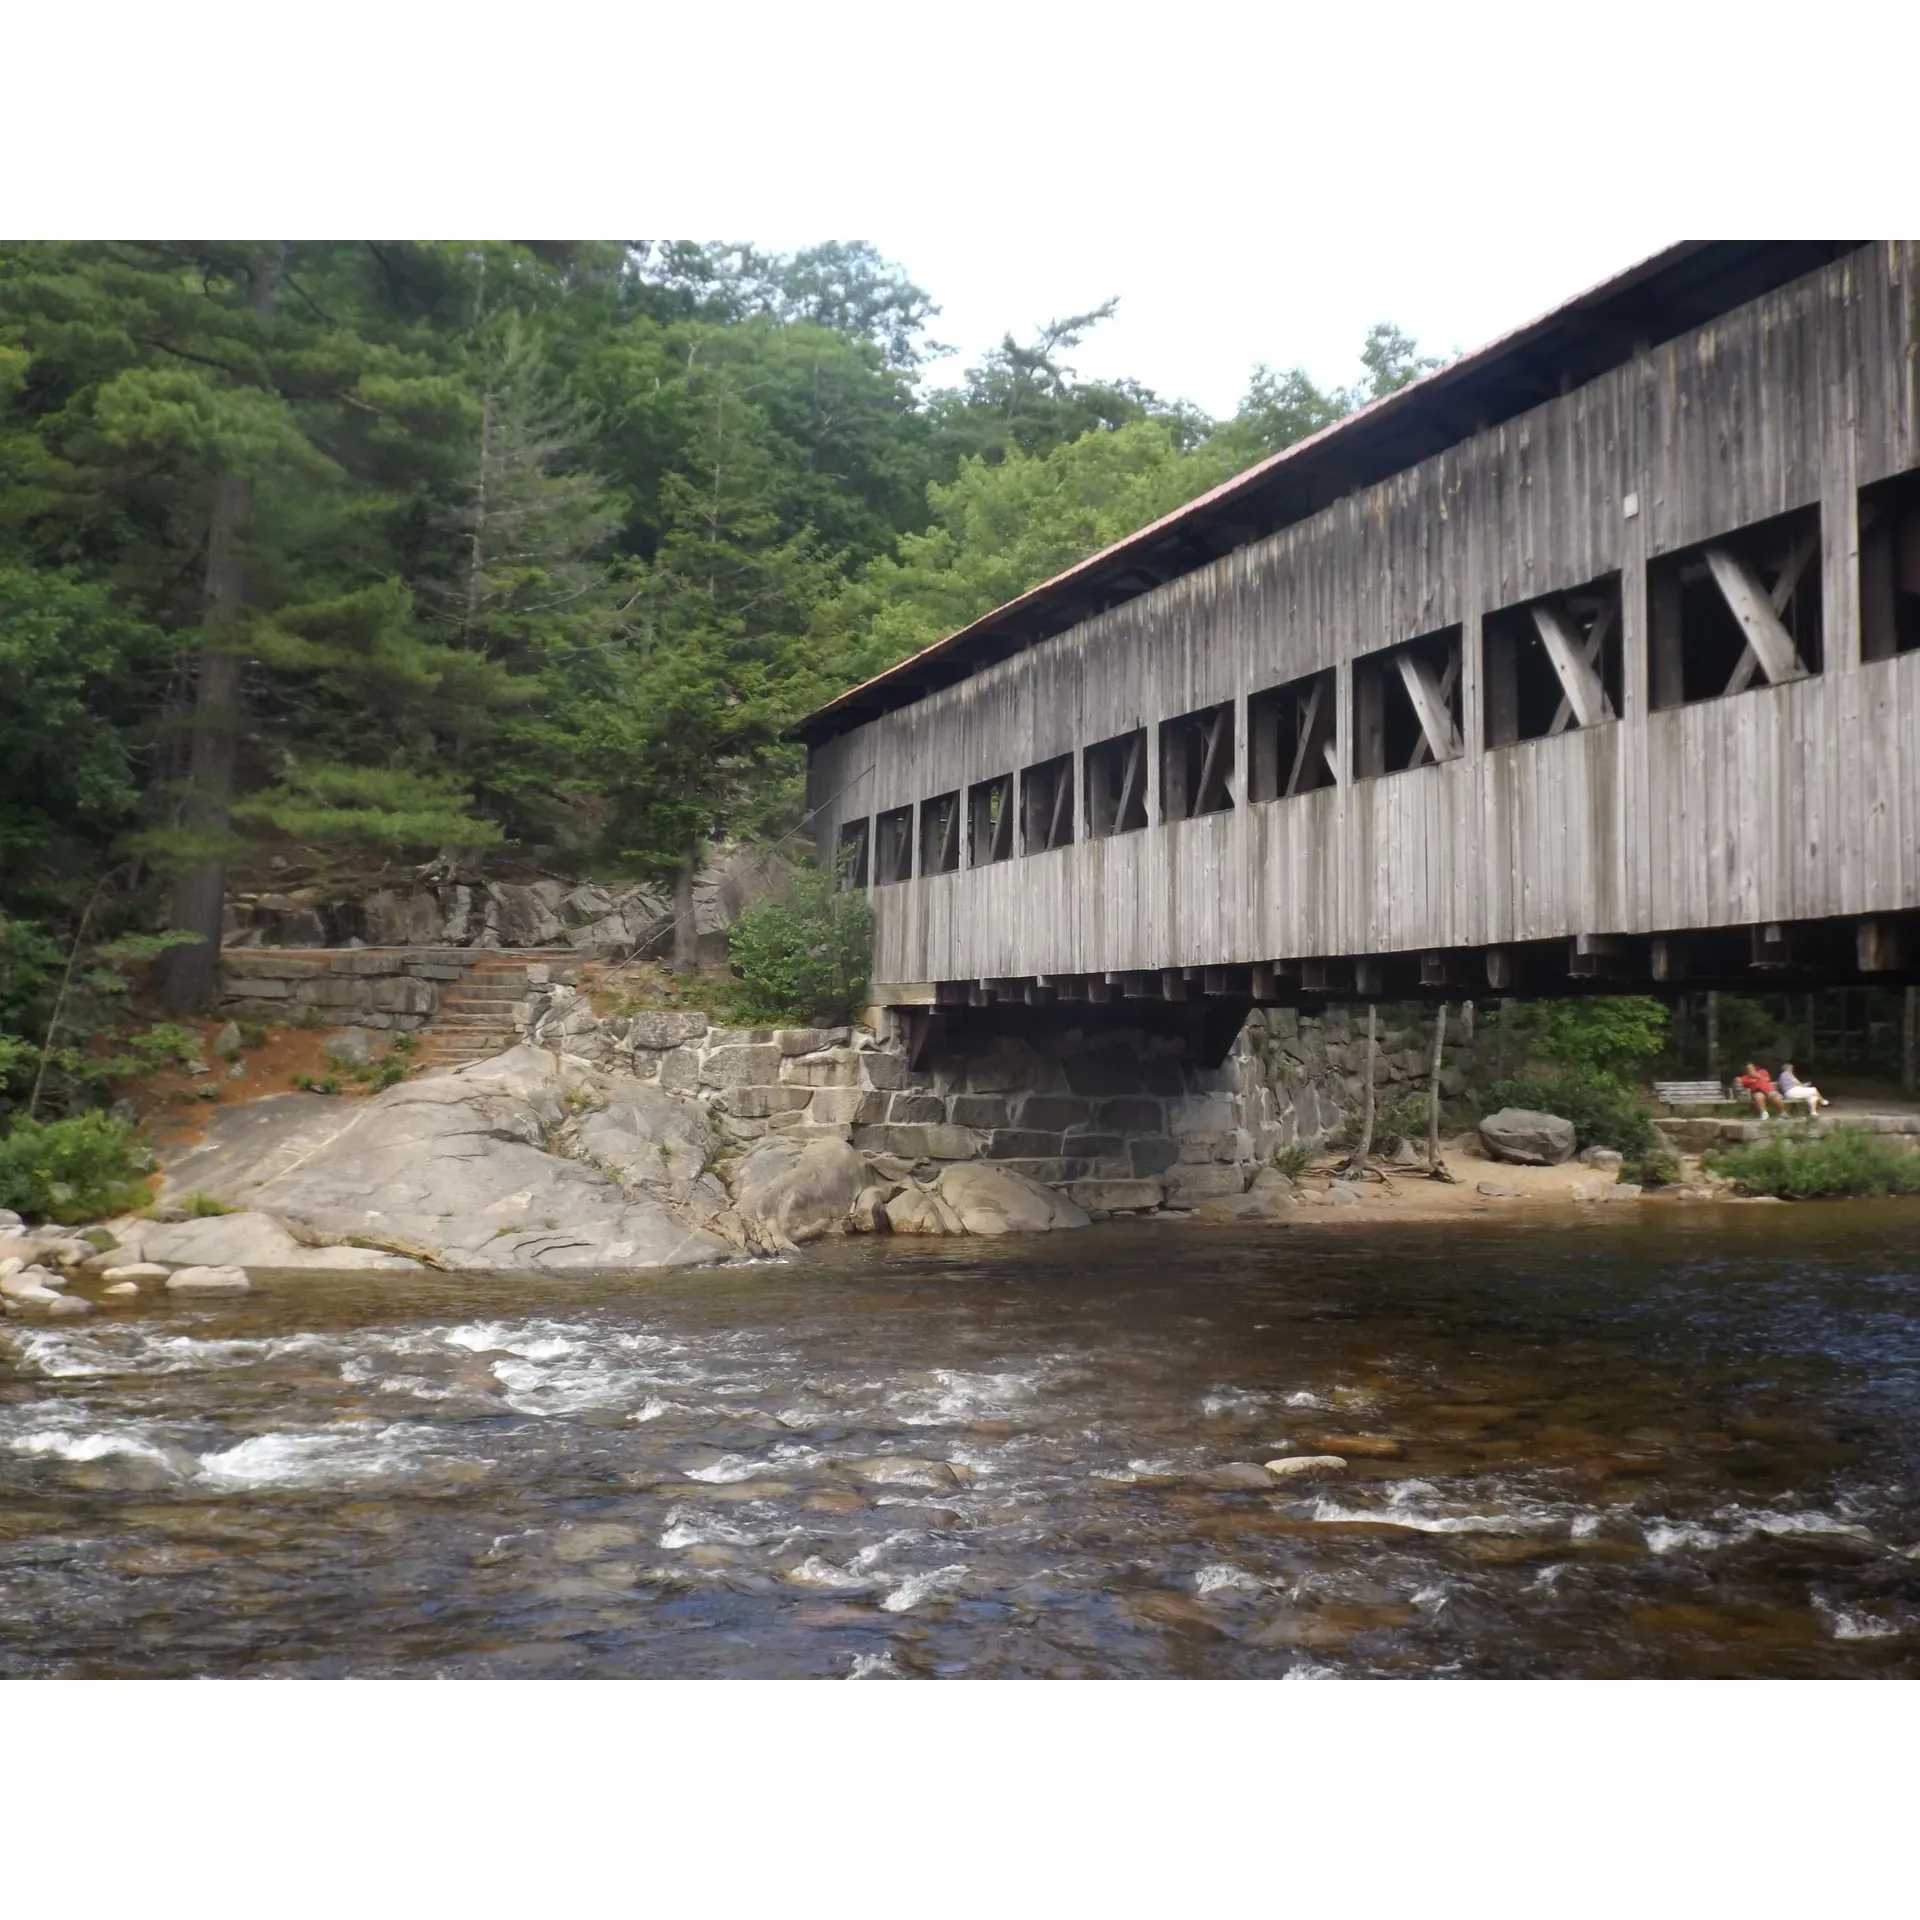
<point>1792,1087</point>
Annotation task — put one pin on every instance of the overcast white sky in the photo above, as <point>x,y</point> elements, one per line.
<point>1197,337</point>
<point>1254,182</point>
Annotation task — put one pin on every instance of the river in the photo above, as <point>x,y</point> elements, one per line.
<point>1684,1443</point>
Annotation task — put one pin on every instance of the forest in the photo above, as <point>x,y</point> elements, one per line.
<point>534,548</point>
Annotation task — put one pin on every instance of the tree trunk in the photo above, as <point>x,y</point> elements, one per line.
<point>686,935</point>
<point>1363,1148</point>
<point>1713,1036</point>
<point>188,978</point>
<point>1434,1164</point>
<point>1910,1043</point>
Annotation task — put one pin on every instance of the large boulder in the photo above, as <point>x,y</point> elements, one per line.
<point>989,1199</point>
<point>1527,1138</point>
<point>453,1169</point>
<point>788,1192</point>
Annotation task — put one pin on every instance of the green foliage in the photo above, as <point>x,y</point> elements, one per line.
<point>1393,1122</point>
<point>804,958</point>
<point>1603,1110</point>
<point>1828,1166</point>
<point>203,1206</point>
<point>69,1170</point>
<point>1294,1159</point>
<point>253,1036</point>
<point>1614,1034</point>
<point>1655,1167</point>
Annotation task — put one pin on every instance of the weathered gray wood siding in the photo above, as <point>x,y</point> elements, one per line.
<point>1786,802</point>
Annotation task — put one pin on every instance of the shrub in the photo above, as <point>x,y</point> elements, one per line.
<point>804,958</point>
<point>1393,1122</point>
<point>1603,1110</point>
<point>1842,1162</point>
<point>1293,1160</point>
<point>253,1036</point>
<point>1657,1167</point>
<point>203,1206</point>
<point>70,1170</point>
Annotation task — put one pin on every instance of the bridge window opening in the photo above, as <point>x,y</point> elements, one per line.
<point>1196,763</point>
<point>1890,568</point>
<point>1406,705</point>
<point>1046,805</point>
<point>1290,738</point>
<point>851,862</point>
<point>990,821</point>
<point>1552,663</point>
<point>940,834</point>
<point>1117,785</point>
<point>893,847</point>
<point>1737,612</point>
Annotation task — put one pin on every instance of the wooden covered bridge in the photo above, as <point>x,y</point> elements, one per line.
<point>1590,661</point>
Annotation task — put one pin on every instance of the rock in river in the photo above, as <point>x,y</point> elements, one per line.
<point>1306,1466</point>
<point>788,1192</point>
<point>196,1280</point>
<point>991,1200</point>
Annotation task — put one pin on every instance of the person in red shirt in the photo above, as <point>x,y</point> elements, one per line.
<point>1759,1082</point>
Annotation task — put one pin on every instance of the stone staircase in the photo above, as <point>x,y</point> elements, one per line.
<point>475,1016</point>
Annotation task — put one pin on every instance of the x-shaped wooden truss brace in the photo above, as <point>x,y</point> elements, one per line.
<point>1314,736</point>
<point>1431,695</point>
<point>1770,649</point>
<point>1576,664</point>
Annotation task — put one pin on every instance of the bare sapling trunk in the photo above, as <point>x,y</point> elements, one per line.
<point>1713,1036</point>
<point>1436,1167</point>
<point>1910,1043</point>
<point>686,935</point>
<point>188,977</point>
<point>1363,1147</point>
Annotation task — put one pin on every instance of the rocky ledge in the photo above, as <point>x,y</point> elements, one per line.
<point>534,1161</point>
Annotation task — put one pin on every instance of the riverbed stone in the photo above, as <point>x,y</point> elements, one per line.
<point>128,1277</point>
<point>209,1280</point>
<point>1307,1466</point>
<point>28,1283</point>
<point>990,1200</point>
<point>1497,1190</point>
<point>1528,1137</point>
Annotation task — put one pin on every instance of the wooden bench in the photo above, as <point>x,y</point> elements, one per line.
<point>1691,1093</point>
